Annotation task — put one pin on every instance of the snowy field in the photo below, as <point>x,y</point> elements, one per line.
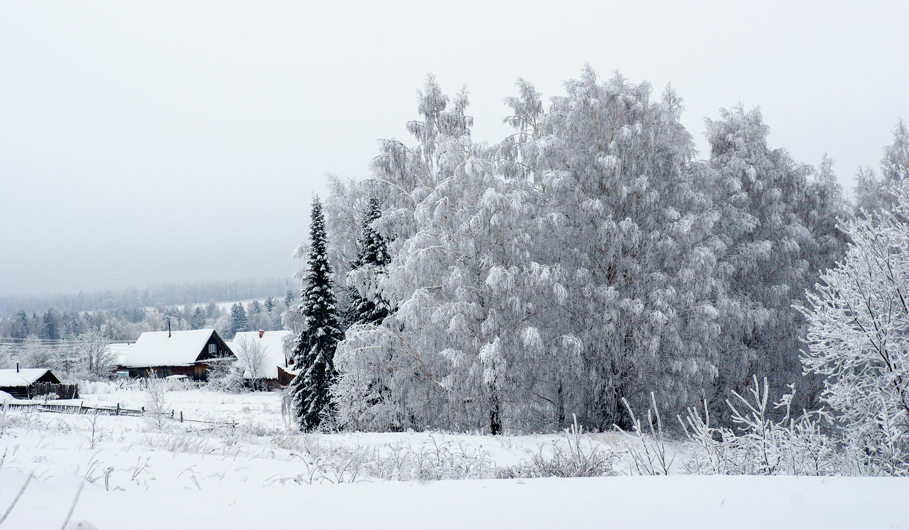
<point>245,470</point>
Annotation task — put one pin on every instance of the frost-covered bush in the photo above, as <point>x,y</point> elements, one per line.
<point>648,446</point>
<point>759,444</point>
<point>157,409</point>
<point>437,459</point>
<point>179,443</point>
<point>224,376</point>
<point>251,356</point>
<point>566,457</point>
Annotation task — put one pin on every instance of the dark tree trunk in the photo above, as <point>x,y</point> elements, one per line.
<point>495,422</point>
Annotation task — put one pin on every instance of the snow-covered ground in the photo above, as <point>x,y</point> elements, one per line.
<point>255,474</point>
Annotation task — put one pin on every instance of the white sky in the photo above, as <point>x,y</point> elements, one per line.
<point>152,142</point>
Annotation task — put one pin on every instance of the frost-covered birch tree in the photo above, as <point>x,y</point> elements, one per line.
<point>873,192</point>
<point>632,240</point>
<point>457,281</point>
<point>777,225</point>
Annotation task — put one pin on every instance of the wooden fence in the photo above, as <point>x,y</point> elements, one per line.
<point>110,411</point>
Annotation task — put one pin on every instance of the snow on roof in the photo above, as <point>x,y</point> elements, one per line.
<point>156,348</point>
<point>273,344</point>
<point>23,377</point>
<point>121,350</point>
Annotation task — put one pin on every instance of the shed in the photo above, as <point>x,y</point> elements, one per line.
<point>27,382</point>
<point>189,353</point>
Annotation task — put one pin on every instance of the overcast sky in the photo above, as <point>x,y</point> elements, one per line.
<point>156,142</point>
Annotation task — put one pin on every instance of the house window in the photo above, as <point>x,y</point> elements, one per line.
<point>212,349</point>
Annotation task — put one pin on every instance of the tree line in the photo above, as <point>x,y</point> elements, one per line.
<point>130,299</point>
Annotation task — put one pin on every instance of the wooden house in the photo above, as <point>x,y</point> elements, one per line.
<point>188,353</point>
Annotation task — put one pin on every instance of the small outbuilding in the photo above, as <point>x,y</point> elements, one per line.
<point>27,383</point>
<point>189,353</point>
<point>273,348</point>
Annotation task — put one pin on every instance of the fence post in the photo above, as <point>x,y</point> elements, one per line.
<point>118,409</point>
<point>181,416</point>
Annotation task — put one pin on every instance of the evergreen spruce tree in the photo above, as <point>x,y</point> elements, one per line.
<point>198,319</point>
<point>372,260</point>
<point>238,318</point>
<point>315,349</point>
<point>51,328</point>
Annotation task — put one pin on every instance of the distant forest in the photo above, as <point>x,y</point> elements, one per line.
<point>165,294</point>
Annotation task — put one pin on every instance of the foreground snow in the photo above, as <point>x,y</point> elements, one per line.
<point>255,475</point>
<point>607,502</point>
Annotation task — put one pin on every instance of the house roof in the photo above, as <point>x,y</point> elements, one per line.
<point>162,348</point>
<point>121,350</point>
<point>24,377</point>
<point>273,344</point>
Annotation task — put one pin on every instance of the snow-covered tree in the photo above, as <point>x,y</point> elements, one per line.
<point>197,321</point>
<point>315,349</point>
<point>95,355</point>
<point>858,341</point>
<point>251,356</point>
<point>631,233</point>
<point>52,325</point>
<point>35,354</point>
<point>444,357</point>
<point>873,193</point>
<point>238,318</point>
<point>777,226</point>
<point>366,303</point>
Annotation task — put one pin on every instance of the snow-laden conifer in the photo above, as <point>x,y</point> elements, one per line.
<point>314,352</point>
<point>238,318</point>
<point>367,306</point>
